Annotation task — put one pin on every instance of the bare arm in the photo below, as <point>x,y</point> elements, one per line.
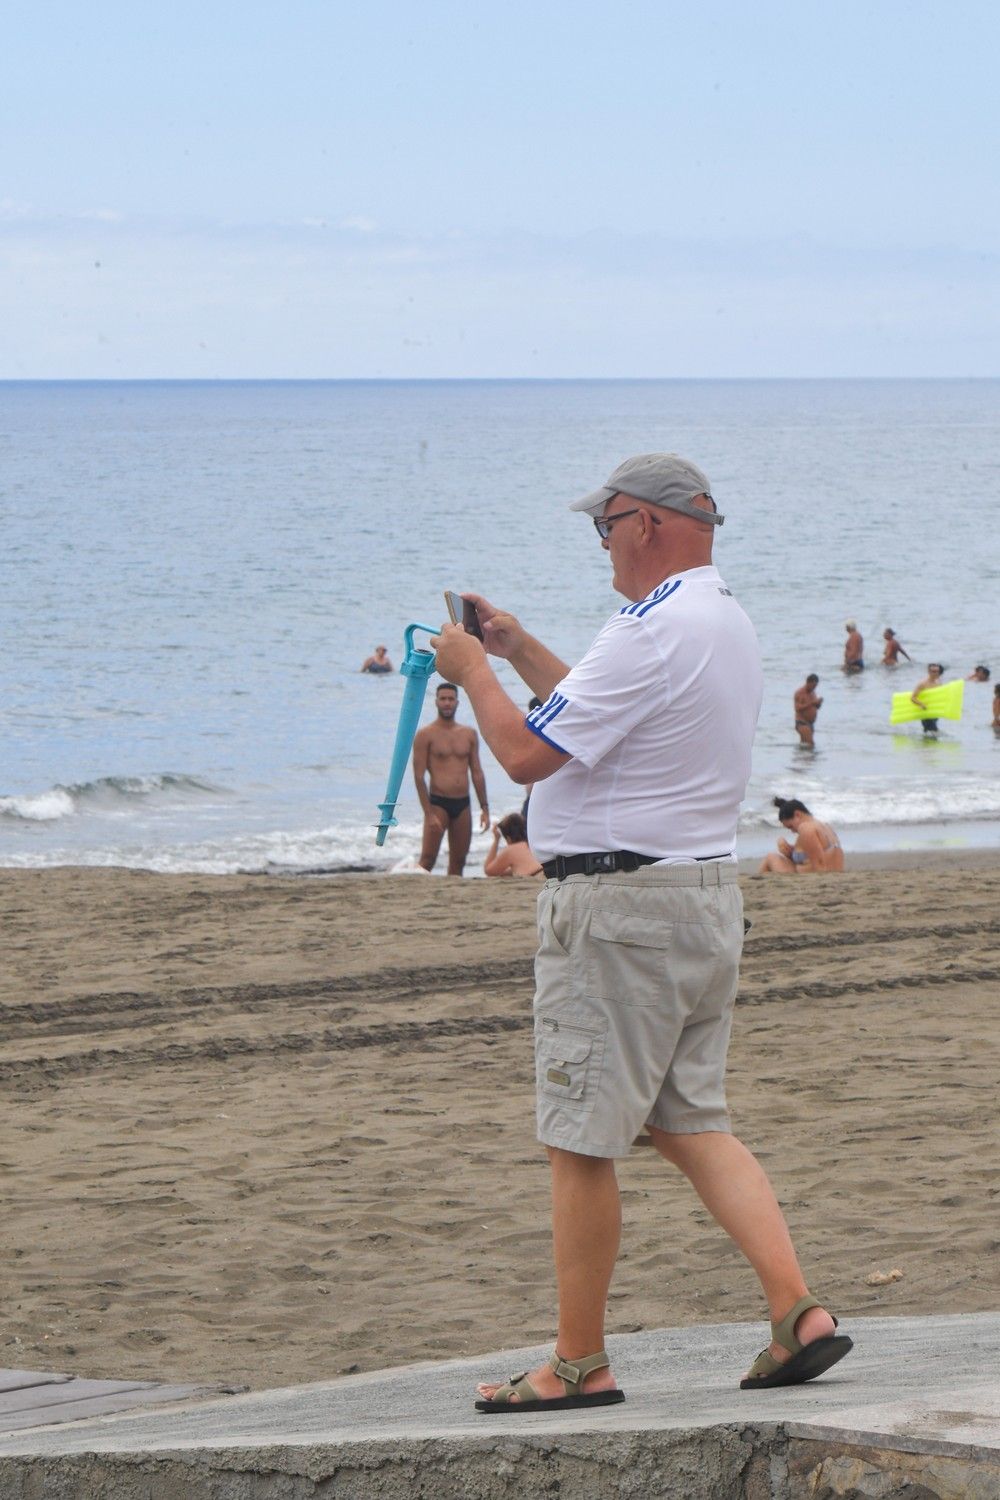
<point>497,862</point>
<point>522,754</point>
<point>479,781</point>
<point>420,756</point>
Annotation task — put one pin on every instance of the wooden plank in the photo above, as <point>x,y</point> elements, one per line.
<point>102,1406</point>
<point>66,1399</point>
<point>30,1397</point>
<point>19,1380</point>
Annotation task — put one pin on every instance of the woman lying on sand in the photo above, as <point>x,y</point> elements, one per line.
<point>517,858</point>
<point>816,850</point>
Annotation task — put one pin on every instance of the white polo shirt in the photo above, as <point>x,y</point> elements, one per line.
<point>659,718</point>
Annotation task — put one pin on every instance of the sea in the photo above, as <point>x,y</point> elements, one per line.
<point>194,572</point>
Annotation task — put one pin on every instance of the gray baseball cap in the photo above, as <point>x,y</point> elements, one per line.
<point>658,478</point>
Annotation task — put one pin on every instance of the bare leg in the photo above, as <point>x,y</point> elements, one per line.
<point>734,1188</point>
<point>776,864</point>
<point>459,839</point>
<point>586,1231</point>
<point>435,823</point>
<point>806,734</point>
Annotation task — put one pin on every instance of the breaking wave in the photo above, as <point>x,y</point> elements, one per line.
<point>107,794</point>
<point>867,801</point>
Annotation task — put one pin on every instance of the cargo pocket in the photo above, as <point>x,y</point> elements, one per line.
<point>627,957</point>
<point>569,1066</point>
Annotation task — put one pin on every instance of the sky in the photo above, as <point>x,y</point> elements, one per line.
<point>322,189</point>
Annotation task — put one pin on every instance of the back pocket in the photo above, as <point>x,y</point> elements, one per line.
<point>627,957</point>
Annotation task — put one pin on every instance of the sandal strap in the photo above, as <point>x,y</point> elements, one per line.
<point>574,1372</point>
<point>764,1364</point>
<point>783,1332</point>
<point>521,1385</point>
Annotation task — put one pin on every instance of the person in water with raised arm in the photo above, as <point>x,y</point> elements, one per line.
<point>894,649</point>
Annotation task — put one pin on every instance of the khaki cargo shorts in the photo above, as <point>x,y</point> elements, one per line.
<point>635,982</point>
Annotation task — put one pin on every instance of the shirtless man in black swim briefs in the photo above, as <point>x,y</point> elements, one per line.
<point>807,706</point>
<point>449,751</point>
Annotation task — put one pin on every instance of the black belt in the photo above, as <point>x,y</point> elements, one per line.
<point>595,864</point>
<point>604,864</point>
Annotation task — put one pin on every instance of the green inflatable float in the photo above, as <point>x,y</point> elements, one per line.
<point>943,702</point>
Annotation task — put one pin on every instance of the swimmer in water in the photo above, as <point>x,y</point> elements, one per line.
<point>378,663</point>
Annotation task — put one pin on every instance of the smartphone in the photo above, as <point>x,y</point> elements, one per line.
<point>462,612</point>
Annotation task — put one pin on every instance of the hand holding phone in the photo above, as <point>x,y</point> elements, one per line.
<point>462,612</point>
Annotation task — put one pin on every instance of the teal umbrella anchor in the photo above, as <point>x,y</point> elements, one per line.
<point>416,668</point>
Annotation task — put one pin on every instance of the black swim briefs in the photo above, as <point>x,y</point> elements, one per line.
<point>453,806</point>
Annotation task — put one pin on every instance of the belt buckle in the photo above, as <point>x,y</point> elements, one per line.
<point>600,864</point>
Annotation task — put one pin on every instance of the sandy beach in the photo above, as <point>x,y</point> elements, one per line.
<point>271,1130</point>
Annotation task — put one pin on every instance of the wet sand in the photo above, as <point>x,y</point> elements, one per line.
<point>272,1130</point>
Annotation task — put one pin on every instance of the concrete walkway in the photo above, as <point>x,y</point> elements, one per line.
<point>913,1412</point>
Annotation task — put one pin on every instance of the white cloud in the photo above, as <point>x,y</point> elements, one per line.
<point>98,295</point>
<point>12,212</point>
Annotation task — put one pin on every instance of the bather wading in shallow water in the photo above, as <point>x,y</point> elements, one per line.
<point>807,704</point>
<point>935,672</point>
<point>378,664</point>
<point>894,649</point>
<point>816,850</point>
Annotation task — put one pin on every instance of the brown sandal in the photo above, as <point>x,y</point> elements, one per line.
<point>807,1360</point>
<point>572,1373</point>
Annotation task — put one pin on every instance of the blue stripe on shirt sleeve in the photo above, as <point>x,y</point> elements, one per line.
<point>535,730</point>
<point>540,717</point>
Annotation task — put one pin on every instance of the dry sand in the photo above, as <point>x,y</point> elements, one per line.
<point>272,1130</point>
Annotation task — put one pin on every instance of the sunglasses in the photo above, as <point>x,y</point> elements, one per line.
<point>603,527</point>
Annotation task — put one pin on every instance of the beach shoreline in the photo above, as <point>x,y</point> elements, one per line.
<point>274,1130</point>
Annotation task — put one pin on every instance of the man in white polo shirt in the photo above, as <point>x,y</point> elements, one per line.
<point>639,757</point>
